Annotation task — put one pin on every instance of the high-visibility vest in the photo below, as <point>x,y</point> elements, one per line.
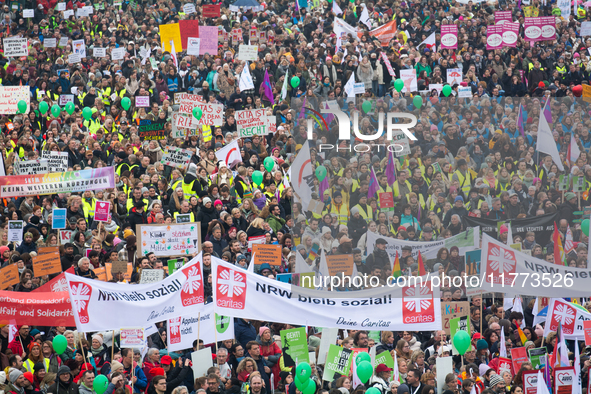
<point>465,181</point>
<point>561,70</point>
<point>247,193</point>
<point>129,205</point>
<point>189,213</point>
<point>421,200</point>
<point>342,213</point>
<point>106,93</point>
<point>367,216</point>
<point>206,133</point>
<point>92,125</point>
<point>396,187</point>
<point>30,366</point>
<point>53,96</point>
<point>188,190</point>
<point>88,208</point>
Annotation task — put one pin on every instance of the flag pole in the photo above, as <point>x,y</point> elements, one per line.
<point>82,346</point>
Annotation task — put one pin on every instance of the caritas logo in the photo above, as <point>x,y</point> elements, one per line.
<point>80,299</point>
<point>417,304</point>
<point>175,330</point>
<point>500,262</point>
<point>192,291</point>
<point>230,288</point>
<point>564,314</point>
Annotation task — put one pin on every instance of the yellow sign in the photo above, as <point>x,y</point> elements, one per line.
<point>171,32</point>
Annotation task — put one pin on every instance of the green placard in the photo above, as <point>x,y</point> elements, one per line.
<point>384,358</point>
<point>294,345</point>
<point>174,265</point>
<point>537,357</point>
<point>578,184</point>
<point>222,323</point>
<point>563,182</point>
<point>375,335</point>
<point>338,360</point>
<point>459,324</point>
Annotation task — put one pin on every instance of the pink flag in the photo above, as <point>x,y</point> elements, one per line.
<point>267,88</point>
<point>374,186</point>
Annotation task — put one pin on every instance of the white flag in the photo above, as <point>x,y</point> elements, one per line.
<point>430,42</point>
<point>509,234</point>
<point>301,267</point>
<point>578,382</point>
<point>349,86</point>
<point>546,143</point>
<point>518,307</point>
<point>173,54</point>
<point>542,388</point>
<point>250,267</point>
<point>229,154</point>
<point>284,88</point>
<point>573,151</point>
<point>364,18</point>
<point>336,9</point>
<point>503,348</point>
<point>302,180</point>
<point>245,82</point>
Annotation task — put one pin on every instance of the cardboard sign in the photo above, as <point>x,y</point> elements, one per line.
<point>118,53</point>
<point>176,157</point>
<point>248,52</point>
<point>270,254</point>
<point>74,58</point>
<point>99,52</point>
<point>50,43</point>
<point>587,330</point>
<point>15,47</point>
<point>294,345</point>
<point>342,263</point>
<point>10,97</point>
<point>59,218</point>
<point>57,161</point>
<point>50,249</point>
<point>193,45</point>
<point>338,360</point>
<point>386,200</point>
<point>142,101</point>
<point>65,236</point>
<point>101,211</point>
<point>211,11</point>
<point>251,122</point>
<point>9,276</point>
<point>132,337</point>
<point>189,8</point>
<point>530,382</point>
<point>453,310</point>
<point>169,239</point>
<point>151,276</point>
<point>518,357</point>
<point>46,264</point>
<point>31,167</point>
<point>65,99</point>
<point>118,266</point>
<point>564,380</point>
<point>15,230</point>
<point>28,13</point>
<point>152,130</point>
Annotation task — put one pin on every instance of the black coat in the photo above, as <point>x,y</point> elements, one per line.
<point>206,216</point>
<point>136,218</point>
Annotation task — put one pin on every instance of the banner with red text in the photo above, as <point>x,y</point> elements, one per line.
<point>36,309</point>
<point>571,316</point>
<point>102,306</point>
<point>240,293</point>
<point>385,33</point>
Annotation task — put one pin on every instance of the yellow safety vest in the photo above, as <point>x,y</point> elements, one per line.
<point>88,208</point>
<point>188,190</point>
<point>247,193</point>
<point>367,216</point>
<point>189,213</point>
<point>396,187</point>
<point>129,205</point>
<point>465,181</point>
<point>342,213</point>
<point>206,133</point>
<point>106,93</point>
<point>29,365</point>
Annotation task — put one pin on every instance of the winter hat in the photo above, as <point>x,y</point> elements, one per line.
<point>14,375</point>
<point>482,368</point>
<point>481,344</point>
<point>115,366</point>
<point>156,371</point>
<point>325,230</point>
<point>494,380</point>
<point>206,200</point>
<point>63,370</point>
<point>354,210</point>
<point>403,389</point>
<point>127,233</point>
<point>528,343</point>
<point>217,202</point>
<point>459,198</point>
<point>262,330</point>
<point>99,338</point>
<point>503,229</point>
<point>240,257</point>
<point>29,376</point>
<point>38,366</point>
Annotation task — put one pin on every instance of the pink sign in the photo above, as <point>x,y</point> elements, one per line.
<point>548,28</point>
<point>494,37</point>
<point>209,40</point>
<point>533,29</point>
<point>101,211</point>
<point>142,101</point>
<point>502,17</point>
<point>510,34</point>
<point>449,37</point>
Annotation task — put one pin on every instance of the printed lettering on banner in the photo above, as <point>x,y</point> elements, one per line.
<point>169,240</point>
<point>193,46</point>
<point>564,380</point>
<point>15,231</point>
<point>99,52</point>
<point>211,10</point>
<point>57,161</point>
<point>50,43</point>
<point>65,99</point>
<point>15,47</point>
<point>251,122</point>
<point>410,80</point>
<point>142,101</point>
<point>530,382</point>
<point>248,52</point>
<point>359,88</point>
<point>10,97</point>
<point>181,331</point>
<point>510,33</point>
<point>449,36</point>
<point>177,157</point>
<point>464,91</point>
<point>31,167</point>
<point>117,53</point>
<point>64,40</point>
<point>33,308</point>
<point>65,236</point>
<point>270,254</point>
<point>102,211</point>
<point>47,264</point>
<point>132,337</point>
<point>59,218</point>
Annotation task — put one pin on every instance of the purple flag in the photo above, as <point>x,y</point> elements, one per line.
<point>374,186</point>
<point>548,112</point>
<point>520,120</point>
<point>324,185</point>
<point>268,89</point>
<point>391,169</point>
<point>301,115</point>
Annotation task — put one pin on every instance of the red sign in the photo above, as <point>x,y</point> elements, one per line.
<point>386,200</point>
<point>36,309</point>
<point>518,357</point>
<point>211,11</point>
<point>530,382</point>
<point>504,365</point>
<point>417,304</point>
<point>587,330</point>
<point>101,211</point>
<point>57,284</point>
<point>231,288</point>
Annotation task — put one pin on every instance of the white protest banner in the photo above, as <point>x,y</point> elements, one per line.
<point>212,114</point>
<point>187,102</point>
<point>359,88</point>
<point>180,128</point>
<point>31,167</point>
<point>63,42</point>
<point>454,76</point>
<point>61,6</point>
<point>15,230</point>
<point>151,276</point>
<point>65,99</point>
<point>585,29</point>
<point>68,14</point>
<point>401,139</point>
<point>79,47</point>
<point>132,337</point>
<point>176,157</point>
<point>28,13</point>
<point>570,316</point>
<point>202,361</point>
<point>50,43</point>
<point>15,47</point>
<point>65,236</point>
<point>251,122</point>
<point>271,123</point>
<point>169,239</point>
<point>248,52</point>
<point>193,45</point>
<point>179,294</point>
<point>465,241</point>
<point>10,97</point>
<point>230,153</point>
<point>142,101</point>
<point>99,52</point>
<point>182,330</point>
<point>409,77</point>
<point>58,161</point>
<point>464,91</point>
<point>189,8</point>
<point>240,293</point>
<point>510,271</point>
<point>74,58</point>
<point>118,53</point>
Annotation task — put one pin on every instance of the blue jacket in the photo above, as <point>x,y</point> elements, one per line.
<point>141,383</point>
<point>244,332</point>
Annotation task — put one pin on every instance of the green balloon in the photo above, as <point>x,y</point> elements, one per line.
<point>302,385</point>
<point>366,106</point>
<point>461,341</point>
<point>87,113</point>
<point>303,372</point>
<point>446,90</point>
<point>310,388</point>
<point>361,357</point>
<point>126,103</point>
<point>70,108</point>
<point>22,106</point>
<point>585,227</point>
<point>417,101</point>
<point>257,177</point>
<point>364,371</point>
<point>197,113</point>
<point>60,343</point>
<point>320,173</point>
<point>56,110</point>
<point>100,383</point>
<point>43,107</point>
<point>295,82</point>
<point>269,164</point>
<point>372,390</point>
<point>399,85</point>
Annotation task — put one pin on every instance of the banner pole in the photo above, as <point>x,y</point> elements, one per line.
<point>132,368</point>
<point>199,329</point>
<point>113,347</point>
<point>481,300</point>
<point>215,328</point>
<point>82,346</point>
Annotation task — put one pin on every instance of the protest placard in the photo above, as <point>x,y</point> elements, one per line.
<point>59,218</point>
<point>9,276</point>
<point>29,13</point>
<point>65,99</point>
<point>57,161</point>
<point>270,254</point>
<point>15,231</point>
<point>118,266</point>
<point>338,361</point>
<point>49,249</point>
<point>176,157</point>
<point>183,218</point>
<point>99,52</point>
<point>248,52</point>
<point>342,263</point>
<point>294,344</point>
<point>47,264</point>
<point>74,58</point>
<point>142,101</point>
<point>65,236</point>
<point>101,211</point>
<point>169,239</point>
<point>63,40</point>
<point>31,167</point>
<point>10,97</point>
<point>132,337</point>
<point>209,40</point>
<point>61,6</point>
<point>152,130</point>
<point>189,8</point>
<point>193,45</point>
<point>251,122</point>
<point>151,276</point>
<point>15,47</point>
<point>211,11</point>
<point>453,310</point>
<point>117,53</point>
<point>50,43</point>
